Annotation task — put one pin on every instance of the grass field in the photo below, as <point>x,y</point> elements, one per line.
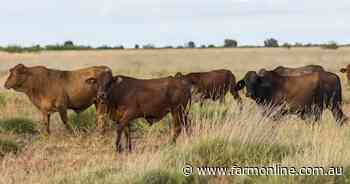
<point>222,136</point>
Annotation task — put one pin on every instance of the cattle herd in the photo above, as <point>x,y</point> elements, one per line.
<point>304,91</point>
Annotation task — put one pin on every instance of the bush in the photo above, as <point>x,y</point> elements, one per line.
<point>230,43</point>
<point>330,45</point>
<point>271,42</point>
<point>149,46</point>
<point>8,146</point>
<point>18,126</point>
<point>191,44</point>
<point>83,122</point>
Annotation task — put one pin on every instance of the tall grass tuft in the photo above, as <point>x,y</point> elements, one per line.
<point>18,126</point>
<point>8,146</point>
<point>83,122</point>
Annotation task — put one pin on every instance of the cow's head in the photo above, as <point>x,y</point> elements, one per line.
<point>258,86</point>
<point>190,80</point>
<point>101,83</point>
<point>18,75</point>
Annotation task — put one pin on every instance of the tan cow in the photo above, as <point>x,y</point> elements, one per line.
<point>55,90</point>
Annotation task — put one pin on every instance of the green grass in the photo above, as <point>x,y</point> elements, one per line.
<point>223,152</point>
<point>2,100</point>
<point>18,126</point>
<point>164,176</point>
<point>83,122</point>
<point>345,179</point>
<point>8,146</point>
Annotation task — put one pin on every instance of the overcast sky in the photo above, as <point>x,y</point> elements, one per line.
<point>172,22</point>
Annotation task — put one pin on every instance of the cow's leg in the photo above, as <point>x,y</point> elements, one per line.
<point>121,125</point>
<point>46,120</point>
<point>176,114</point>
<point>128,138</point>
<point>338,114</point>
<point>64,118</point>
<point>222,99</point>
<point>238,99</point>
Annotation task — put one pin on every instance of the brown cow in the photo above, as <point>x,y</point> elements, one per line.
<point>329,81</point>
<point>347,71</point>
<point>306,95</point>
<point>212,85</point>
<point>56,91</point>
<point>126,99</point>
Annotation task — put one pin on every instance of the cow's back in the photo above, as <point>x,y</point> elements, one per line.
<point>286,71</point>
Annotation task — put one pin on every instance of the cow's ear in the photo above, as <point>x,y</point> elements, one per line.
<point>91,80</point>
<point>343,70</point>
<point>240,85</point>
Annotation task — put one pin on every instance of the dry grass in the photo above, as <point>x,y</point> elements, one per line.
<point>90,158</point>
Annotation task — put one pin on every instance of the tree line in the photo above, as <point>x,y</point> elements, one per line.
<point>228,43</point>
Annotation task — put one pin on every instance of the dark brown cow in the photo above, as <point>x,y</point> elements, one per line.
<point>56,91</point>
<point>212,85</point>
<point>307,95</point>
<point>347,71</point>
<point>127,99</point>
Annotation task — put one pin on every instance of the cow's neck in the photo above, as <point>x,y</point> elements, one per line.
<point>35,88</point>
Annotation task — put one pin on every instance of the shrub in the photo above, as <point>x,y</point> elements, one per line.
<point>191,44</point>
<point>68,44</point>
<point>230,43</point>
<point>8,146</point>
<point>149,46</point>
<point>18,126</point>
<point>330,45</point>
<point>83,122</point>
<point>271,42</point>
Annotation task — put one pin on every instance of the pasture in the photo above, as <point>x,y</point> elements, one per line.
<point>222,135</point>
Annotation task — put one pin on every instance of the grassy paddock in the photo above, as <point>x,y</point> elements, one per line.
<point>221,135</point>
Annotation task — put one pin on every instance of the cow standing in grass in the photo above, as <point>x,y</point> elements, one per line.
<point>212,85</point>
<point>306,95</point>
<point>56,91</point>
<point>125,99</point>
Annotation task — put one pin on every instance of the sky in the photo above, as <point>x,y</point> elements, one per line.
<point>172,22</point>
